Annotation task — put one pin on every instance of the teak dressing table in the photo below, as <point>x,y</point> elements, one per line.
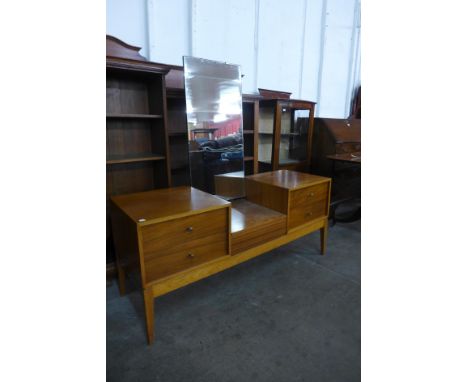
<point>175,236</point>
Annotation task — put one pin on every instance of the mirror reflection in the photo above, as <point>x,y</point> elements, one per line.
<point>213,95</point>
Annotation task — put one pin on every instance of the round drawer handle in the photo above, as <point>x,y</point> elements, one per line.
<point>191,255</point>
<point>189,229</point>
<point>311,194</point>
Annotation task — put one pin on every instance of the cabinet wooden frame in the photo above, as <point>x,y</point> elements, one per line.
<point>185,231</point>
<point>250,106</point>
<point>277,105</point>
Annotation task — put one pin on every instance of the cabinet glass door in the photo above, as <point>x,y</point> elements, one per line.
<point>294,132</point>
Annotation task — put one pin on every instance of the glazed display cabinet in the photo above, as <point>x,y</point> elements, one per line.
<point>285,131</point>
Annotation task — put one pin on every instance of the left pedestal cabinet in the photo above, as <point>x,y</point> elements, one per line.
<point>164,232</point>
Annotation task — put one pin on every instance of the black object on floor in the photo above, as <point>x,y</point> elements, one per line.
<point>289,315</point>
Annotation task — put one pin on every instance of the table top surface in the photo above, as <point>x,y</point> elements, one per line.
<point>288,179</point>
<point>158,205</point>
<point>347,157</point>
<point>246,215</point>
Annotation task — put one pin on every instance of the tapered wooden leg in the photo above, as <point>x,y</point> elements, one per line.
<point>121,278</point>
<point>323,238</point>
<point>149,313</point>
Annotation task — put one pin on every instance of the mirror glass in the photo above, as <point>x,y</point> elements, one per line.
<point>213,96</point>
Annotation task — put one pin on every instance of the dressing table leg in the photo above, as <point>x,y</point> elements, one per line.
<point>149,313</point>
<point>323,238</point>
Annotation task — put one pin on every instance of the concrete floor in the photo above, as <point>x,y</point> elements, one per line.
<point>289,315</point>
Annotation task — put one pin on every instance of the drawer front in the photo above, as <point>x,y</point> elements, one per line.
<point>179,244</point>
<point>308,203</point>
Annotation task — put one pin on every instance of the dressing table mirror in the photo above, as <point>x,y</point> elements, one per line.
<point>213,96</point>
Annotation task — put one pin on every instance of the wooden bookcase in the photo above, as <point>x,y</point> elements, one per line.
<point>250,109</point>
<point>178,138</point>
<point>137,146</point>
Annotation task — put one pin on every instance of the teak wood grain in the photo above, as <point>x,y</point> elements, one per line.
<point>253,224</point>
<point>168,203</point>
<point>181,235</point>
<point>183,278</point>
<point>174,245</point>
<point>302,197</point>
<point>288,179</point>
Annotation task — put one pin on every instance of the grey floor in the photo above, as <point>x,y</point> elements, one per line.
<point>289,315</point>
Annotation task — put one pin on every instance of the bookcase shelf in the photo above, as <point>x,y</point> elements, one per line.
<point>133,116</point>
<point>114,159</point>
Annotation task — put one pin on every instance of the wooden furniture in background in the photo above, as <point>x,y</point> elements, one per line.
<point>352,160</point>
<point>286,153</point>
<point>335,141</point>
<point>137,146</point>
<point>346,157</point>
<point>250,113</point>
<point>273,94</point>
<point>176,236</point>
<point>285,134</point>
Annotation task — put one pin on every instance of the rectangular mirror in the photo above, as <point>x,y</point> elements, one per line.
<point>213,96</point>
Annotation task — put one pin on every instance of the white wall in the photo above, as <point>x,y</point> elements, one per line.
<point>127,20</point>
<point>308,47</point>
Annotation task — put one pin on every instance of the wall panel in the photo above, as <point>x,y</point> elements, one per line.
<point>170,30</point>
<point>308,47</point>
<point>127,21</point>
<point>280,45</point>
<point>225,31</point>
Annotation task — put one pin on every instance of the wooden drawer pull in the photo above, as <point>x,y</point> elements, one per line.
<point>191,255</point>
<point>189,229</point>
<point>311,194</point>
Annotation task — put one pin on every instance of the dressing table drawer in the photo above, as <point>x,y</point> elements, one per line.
<point>308,203</point>
<point>178,244</point>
